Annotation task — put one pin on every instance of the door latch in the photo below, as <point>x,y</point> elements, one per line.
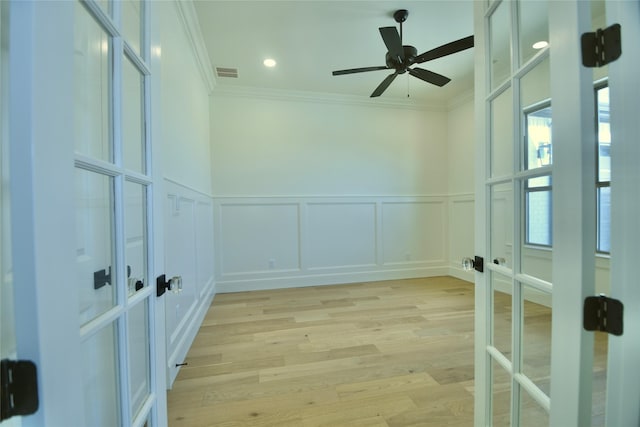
<point>174,284</point>
<point>477,264</point>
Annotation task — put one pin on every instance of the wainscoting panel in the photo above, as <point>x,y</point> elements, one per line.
<point>258,238</point>
<point>180,260</point>
<point>414,232</point>
<point>341,235</point>
<point>204,245</point>
<point>188,223</point>
<point>279,242</point>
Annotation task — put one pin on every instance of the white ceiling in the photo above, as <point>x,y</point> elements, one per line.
<point>310,39</point>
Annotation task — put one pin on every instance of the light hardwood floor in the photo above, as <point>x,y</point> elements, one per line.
<point>394,353</point>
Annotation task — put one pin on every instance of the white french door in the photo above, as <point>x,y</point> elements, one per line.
<point>514,182</point>
<point>88,210</point>
<point>536,216</point>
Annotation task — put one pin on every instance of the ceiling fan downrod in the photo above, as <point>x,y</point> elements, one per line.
<point>400,16</point>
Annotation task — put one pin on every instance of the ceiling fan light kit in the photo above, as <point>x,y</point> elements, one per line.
<point>401,57</point>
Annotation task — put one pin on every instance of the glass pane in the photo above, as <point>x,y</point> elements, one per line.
<point>501,395</point>
<point>534,28</point>
<point>502,134</point>
<point>499,33</point>
<point>100,377</point>
<point>94,243</point>
<point>502,313</point>
<point>132,23</point>
<point>536,262</point>
<point>501,233</point>
<point>132,117</point>
<point>92,53</point>
<point>536,337</point>
<point>531,414</point>
<point>538,211</point>
<point>538,146</point>
<point>139,355</point>
<point>604,136</point>
<point>135,233</point>
<point>535,95</point>
<point>604,219</point>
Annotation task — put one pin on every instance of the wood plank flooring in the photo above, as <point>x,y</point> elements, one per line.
<point>394,353</point>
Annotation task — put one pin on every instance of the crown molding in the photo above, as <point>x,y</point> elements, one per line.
<point>188,18</point>
<point>326,98</point>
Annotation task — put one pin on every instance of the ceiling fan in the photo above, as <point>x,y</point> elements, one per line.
<point>400,58</point>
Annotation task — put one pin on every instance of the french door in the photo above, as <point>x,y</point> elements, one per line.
<point>536,216</point>
<point>85,205</point>
<point>514,294</point>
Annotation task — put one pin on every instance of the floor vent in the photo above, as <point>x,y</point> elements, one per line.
<point>227,72</point>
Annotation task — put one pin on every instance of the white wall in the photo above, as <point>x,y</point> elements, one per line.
<point>188,208</point>
<point>461,178</point>
<point>185,105</point>
<point>267,147</point>
<point>312,191</point>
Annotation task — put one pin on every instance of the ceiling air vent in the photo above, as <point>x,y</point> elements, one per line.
<point>227,72</point>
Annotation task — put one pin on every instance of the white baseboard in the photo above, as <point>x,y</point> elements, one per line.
<point>304,280</point>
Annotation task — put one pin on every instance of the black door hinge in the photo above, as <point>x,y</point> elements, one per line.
<point>19,382</point>
<point>601,47</point>
<point>602,313</point>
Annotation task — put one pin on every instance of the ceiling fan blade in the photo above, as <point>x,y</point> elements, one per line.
<point>392,40</point>
<point>358,70</point>
<point>429,76</point>
<point>384,85</point>
<point>445,49</point>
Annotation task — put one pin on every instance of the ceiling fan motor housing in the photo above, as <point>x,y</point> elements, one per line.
<point>410,54</point>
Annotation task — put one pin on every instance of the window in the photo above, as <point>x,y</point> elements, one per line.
<point>537,191</point>
<point>603,179</point>
<point>538,153</point>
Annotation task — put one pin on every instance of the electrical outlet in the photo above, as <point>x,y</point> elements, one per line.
<point>272,264</point>
<point>407,256</point>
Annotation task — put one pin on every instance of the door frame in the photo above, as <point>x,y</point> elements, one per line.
<point>623,377</point>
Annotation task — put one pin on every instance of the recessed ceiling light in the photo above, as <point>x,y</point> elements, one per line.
<point>541,44</point>
<point>269,62</point>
